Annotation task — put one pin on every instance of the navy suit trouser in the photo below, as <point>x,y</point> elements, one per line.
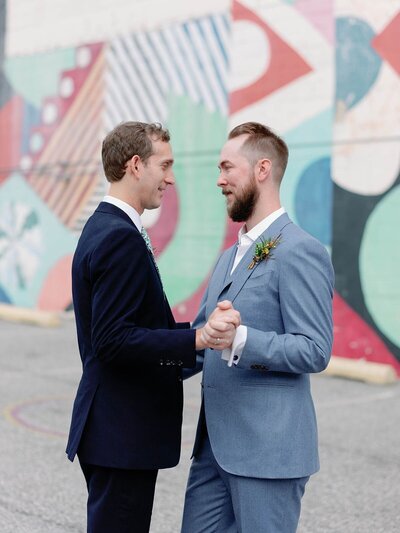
<point>119,501</point>
<point>219,502</point>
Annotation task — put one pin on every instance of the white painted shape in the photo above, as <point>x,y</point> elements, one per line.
<point>128,79</point>
<point>216,49</point>
<point>376,14</point>
<point>295,29</point>
<point>83,57</point>
<point>369,168</point>
<point>50,113</point>
<point>305,97</point>
<point>293,104</point>
<point>167,62</point>
<point>250,54</point>
<point>39,25</point>
<point>67,87</point>
<point>123,101</point>
<point>170,36</point>
<point>149,55</point>
<point>208,67</point>
<point>113,113</point>
<point>25,163</point>
<point>144,82</point>
<point>36,142</point>
<point>194,69</point>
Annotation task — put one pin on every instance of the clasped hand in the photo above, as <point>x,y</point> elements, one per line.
<point>220,329</point>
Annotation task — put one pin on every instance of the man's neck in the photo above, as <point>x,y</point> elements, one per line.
<point>118,192</point>
<point>260,212</point>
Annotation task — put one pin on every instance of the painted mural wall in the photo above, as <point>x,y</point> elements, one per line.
<point>324,74</point>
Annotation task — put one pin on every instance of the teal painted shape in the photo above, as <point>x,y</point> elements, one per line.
<point>380,264</point>
<point>37,77</point>
<point>313,200</point>
<point>4,298</point>
<point>309,142</point>
<point>357,63</point>
<point>196,137</point>
<point>32,240</point>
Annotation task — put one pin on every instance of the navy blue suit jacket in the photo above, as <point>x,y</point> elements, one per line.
<point>128,408</point>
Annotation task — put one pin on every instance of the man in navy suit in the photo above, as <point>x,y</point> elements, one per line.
<point>127,415</point>
<point>256,443</point>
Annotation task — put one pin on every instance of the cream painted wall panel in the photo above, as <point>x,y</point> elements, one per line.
<point>40,25</point>
<point>304,97</point>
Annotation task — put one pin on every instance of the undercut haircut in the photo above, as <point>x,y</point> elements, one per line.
<point>262,143</point>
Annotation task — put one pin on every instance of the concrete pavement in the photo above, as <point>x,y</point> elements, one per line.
<point>357,490</point>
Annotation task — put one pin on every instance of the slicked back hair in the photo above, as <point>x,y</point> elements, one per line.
<point>262,143</point>
<point>126,140</point>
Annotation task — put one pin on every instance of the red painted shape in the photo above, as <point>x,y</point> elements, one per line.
<point>56,293</point>
<point>11,121</point>
<point>78,76</point>
<point>355,339</point>
<point>285,64</point>
<point>163,230</point>
<point>386,43</point>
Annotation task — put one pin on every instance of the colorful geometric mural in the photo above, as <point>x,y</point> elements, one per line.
<point>321,74</point>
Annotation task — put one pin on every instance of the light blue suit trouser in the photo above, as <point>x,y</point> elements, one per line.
<point>219,502</point>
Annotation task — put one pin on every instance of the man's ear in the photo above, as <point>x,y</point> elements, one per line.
<point>134,165</point>
<point>263,169</point>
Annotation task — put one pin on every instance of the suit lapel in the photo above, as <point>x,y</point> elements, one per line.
<point>220,278</point>
<point>242,271</point>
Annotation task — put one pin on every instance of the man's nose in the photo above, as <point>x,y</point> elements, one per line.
<point>170,178</point>
<point>221,181</point>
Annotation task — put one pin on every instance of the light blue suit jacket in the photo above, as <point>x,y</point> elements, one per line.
<point>260,414</point>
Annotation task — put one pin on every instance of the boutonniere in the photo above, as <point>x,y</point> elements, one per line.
<point>263,250</point>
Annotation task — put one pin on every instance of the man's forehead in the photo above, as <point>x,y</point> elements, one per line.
<point>162,149</point>
<point>231,148</point>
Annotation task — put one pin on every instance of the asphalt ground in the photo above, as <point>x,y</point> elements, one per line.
<point>356,491</point>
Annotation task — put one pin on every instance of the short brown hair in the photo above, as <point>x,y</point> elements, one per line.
<point>125,141</point>
<point>263,142</point>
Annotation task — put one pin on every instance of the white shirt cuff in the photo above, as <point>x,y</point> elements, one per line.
<point>232,354</point>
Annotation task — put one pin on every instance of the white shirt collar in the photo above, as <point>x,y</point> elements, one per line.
<point>259,229</point>
<point>126,208</point>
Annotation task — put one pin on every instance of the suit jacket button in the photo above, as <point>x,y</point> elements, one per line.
<point>161,362</point>
<point>253,367</point>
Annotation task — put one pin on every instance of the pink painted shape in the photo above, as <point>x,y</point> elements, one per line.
<point>285,66</point>
<point>11,121</point>
<point>355,339</point>
<point>386,43</point>
<point>56,293</point>
<point>164,229</point>
<point>320,14</point>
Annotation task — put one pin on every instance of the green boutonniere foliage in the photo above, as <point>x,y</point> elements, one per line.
<point>263,250</point>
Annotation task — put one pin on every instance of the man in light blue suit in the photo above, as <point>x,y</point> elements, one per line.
<point>256,442</point>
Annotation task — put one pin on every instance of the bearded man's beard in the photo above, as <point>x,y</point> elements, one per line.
<point>243,206</point>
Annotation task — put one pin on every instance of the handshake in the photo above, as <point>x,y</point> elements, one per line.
<point>220,329</point>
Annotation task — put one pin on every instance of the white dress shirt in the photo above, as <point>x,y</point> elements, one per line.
<point>126,208</point>
<point>245,240</point>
